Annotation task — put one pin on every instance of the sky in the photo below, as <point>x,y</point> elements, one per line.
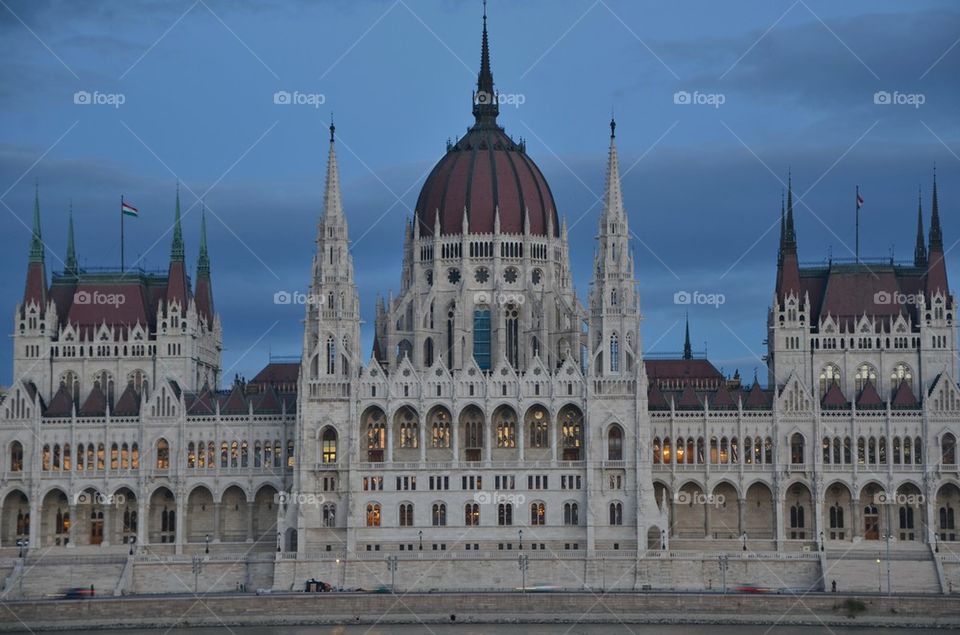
<point>715,104</point>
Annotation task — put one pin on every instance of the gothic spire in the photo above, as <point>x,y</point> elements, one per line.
<point>687,349</point>
<point>203,260</point>
<point>485,106</point>
<point>920,251</point>
<point>613,196</point>
<point>36,241</point>
<point>936,235</point>
<point>70,265</point>
<point>790,234</point>
<point>332,204</point>
<point>176,249</point>
<point>783,222</point>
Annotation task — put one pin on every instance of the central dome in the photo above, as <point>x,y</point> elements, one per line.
<point>484,171</point>
<point>481,172</point>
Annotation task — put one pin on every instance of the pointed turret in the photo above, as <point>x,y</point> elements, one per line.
<point>920,251</point>
<point>485,106</point>
<point>35,290</point>
<point>70,264</point>
<point>332,202</point>
<point>204,287</point>
<point>613,195</point>
<point>687,348</point>
<point>936,267</point>
<point>788,267</point>
<point>178,288</point>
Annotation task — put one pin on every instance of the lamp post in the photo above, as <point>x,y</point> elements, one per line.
<point>197,567</point>
<point>392,565</point>
<point>206,549</point>
<point>936,542</point>
<point>523,564</point>
<point>821,540</point>
<point>21,543</point>
<point>663,539</point>
<point>743,539</point>
<point>723,573</point>
<point>278,542</point>
<point>420,533</point>
<point>521,539</point>
<point>879,578</point>
<point>133,541</point>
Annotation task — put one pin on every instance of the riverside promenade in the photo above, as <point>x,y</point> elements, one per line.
<point>813,609</point>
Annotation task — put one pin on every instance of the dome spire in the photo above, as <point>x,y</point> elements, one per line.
<point>920,251</point>
<point>70,266</point>
<point>485,107</point>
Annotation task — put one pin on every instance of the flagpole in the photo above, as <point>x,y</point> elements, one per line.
<point>121,234</point>
<point>857,203</point>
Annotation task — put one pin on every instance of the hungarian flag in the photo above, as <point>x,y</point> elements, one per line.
<point>859,200</point>
<point>128,209</point>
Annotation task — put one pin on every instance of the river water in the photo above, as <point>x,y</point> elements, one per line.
<point>512,629</point>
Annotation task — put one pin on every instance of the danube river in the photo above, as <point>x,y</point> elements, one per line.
<point>522,629</point>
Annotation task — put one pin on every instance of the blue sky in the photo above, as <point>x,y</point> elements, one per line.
<point>702,182</point>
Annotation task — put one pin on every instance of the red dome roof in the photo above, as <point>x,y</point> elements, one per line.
<point>483,170</point>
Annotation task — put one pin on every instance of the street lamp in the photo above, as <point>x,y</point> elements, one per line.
<point>207,548</point>
<point>197,567</point>
<point>133,540</point>
<point>879,578</point>
<point>743,539</point>
<point>20,543</point>
<point>723,572</point>
<point>420,533</point>
<point>936,542</point>
<point>821,540</point>
<point>663,539</point>
<point>278,542</point>
<point>392,565</point>
<point>521,539</point>
<point>523,564</point>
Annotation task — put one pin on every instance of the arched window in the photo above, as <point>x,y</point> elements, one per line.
<point>328,450</point>
<point>538,513</point>
<point>571,514</point>
<point>439,515</point>
<point>917,451</point>
<point>505,514</point>
<point>428,352</point>
<point>614,353</point>
<point>797,522</point>
<point>796,449</point>
<point>225,453</point>
<point>373,514</point>
<point>828,375</point>
<point>440,429</point>
<point>191,455</point>
<point>678,455</point>
<point>616,513</point>
<point>539,424</point>
<point>406,514</point>
<point>329,515</point>
<point>45,458</point>
<point>615,443</point>
<point>481,336</point>
<point>826,449</point>
<point>865,373</point>
<point>451,314</point>
<point>901,373</point>
<point>16,457</point>
<point>376,432</point>
<point>409,428</point>
<point>163,454</point>
<point>506,422</point>
<point>331,355</point>
<point>471,514</point>
<point>949,449</point>
<point>667,455</point>
<point>513,335</point>
<point>656,450</point>
<point>572,433</point>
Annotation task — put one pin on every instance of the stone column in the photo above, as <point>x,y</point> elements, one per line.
<point>521,438</point>
<point>488,441</point>
<point>179,525</point>
<point>72,530</point>
<point>251,509</point>
<point>741,516</point>
<point>388,457</point>
<point>423,433</point>
<point>107,525</point>
<point>215,538</point>
<point>143,521</point>
<point>455,439</point>
<point>35,521</point>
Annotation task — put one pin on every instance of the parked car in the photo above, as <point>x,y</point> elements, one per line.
<point>751,588</point>
<point>78,593</point>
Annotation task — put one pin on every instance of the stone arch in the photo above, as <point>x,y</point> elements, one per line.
<point>759,511</point>
<point>798,512</point>
<point>656,539</point>
<point>162,516</point>
<point>439,433</point>
<point>406,434</point>
<point>15,518</point>
<point>234,514</point>
<point>837,514</point>
<point>54,518</point>
<point>537,439</point>
<point>328,439</point>
<point>873,519</point>
<point>615,442</point>
<point>125,520</point>
<point>373,435</point>
<point>504,425</point>
<point>724,511</point>
<point>689,511</point>
<point>909,513</point>
<point>264,521</point>
<point>946,512</point>
<point>570,426</point>
<point>199,520</point>
<point>472,432</point>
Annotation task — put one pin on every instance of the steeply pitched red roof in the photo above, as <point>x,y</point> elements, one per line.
<point>682,370</point>
<point>235,404</point>
<point>904,397</point>
<point>722,399</point>
<point>655,398</point>
<point>201,403</point>
<point>129,403</point>
<point>61,405</point>
<point>869,397</point>
<point>278,373</point>
<point>688,399</point>
<point>95,405</point>
<point>756,398</point>
<point>269,403</point>
<point>834,398</point>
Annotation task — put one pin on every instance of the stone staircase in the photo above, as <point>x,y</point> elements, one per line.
<point>858,570</point>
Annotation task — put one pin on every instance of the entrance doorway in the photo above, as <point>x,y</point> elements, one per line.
<point>96,527</point>
<point>871,523</point>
